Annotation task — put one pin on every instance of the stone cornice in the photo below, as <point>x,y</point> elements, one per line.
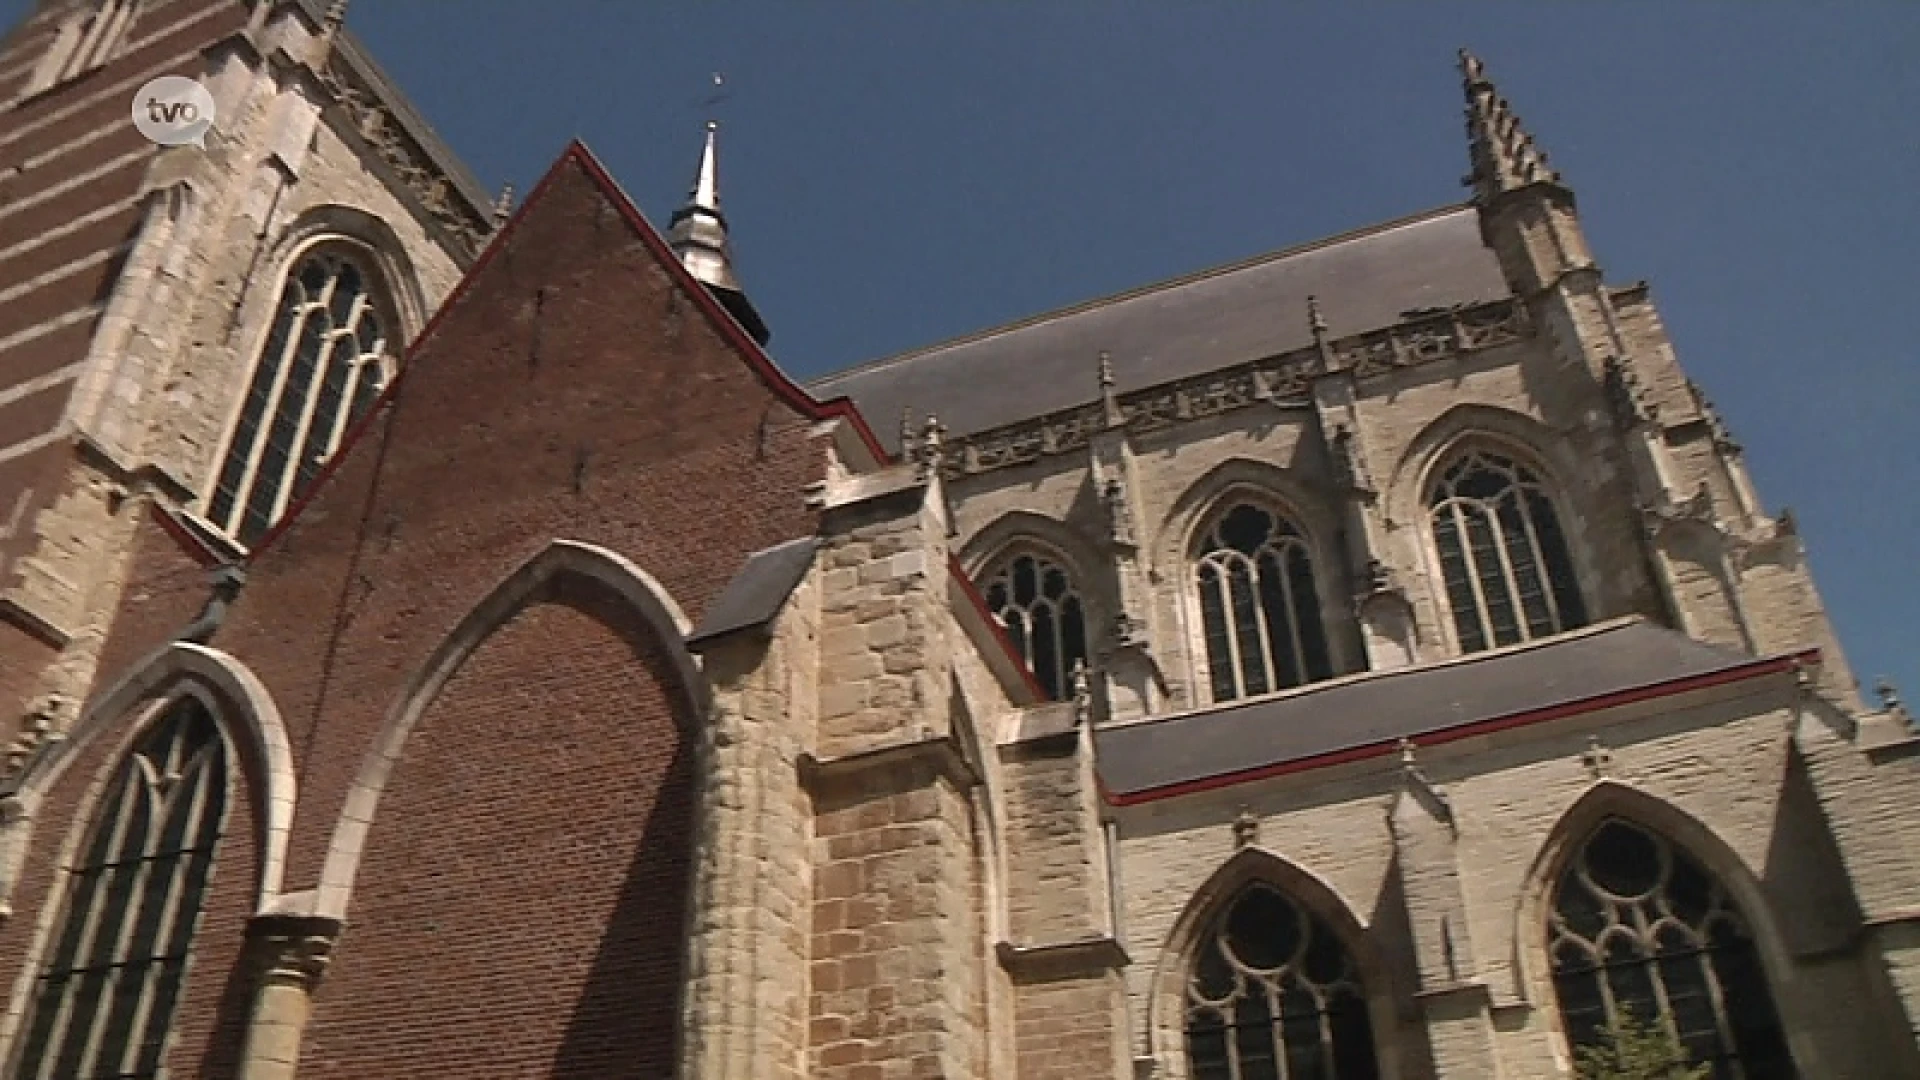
<point>1281,380</point>
<point>940,754</point>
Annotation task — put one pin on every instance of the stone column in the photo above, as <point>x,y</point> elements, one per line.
<point>293,951</point>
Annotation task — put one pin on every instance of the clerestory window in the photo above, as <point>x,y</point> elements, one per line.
<point>1259,607</point>
<point>105,997</point>
<point>1035,599</point>
<point>323,365</point>
<point>1503,555</point>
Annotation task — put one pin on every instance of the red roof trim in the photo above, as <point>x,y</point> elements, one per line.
<point>999,632</point>
<point>1614,699</point>
<point>189,542</point>
<point>577,154</point>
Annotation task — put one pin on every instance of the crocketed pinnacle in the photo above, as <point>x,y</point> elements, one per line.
<point>1504,156</point>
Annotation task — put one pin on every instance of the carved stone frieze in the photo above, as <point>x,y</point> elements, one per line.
<point>1284,380</point>
<point>383,131</point>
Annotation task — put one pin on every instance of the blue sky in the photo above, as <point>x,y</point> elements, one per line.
<point>901,173</point>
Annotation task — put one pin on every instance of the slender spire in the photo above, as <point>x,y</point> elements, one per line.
<point>697,232</point>
<point>1504,156</point>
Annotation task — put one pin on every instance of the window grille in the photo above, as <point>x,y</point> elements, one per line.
<point>1639,927</point>
<point>1036,602</point>
<point>1259,608</point>
<point>321,369</point>
<point>1274,996</point>
<point>105,997</point>
<point>1503,556</point>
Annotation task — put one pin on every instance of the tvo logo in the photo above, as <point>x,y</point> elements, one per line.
<point>173,110</point>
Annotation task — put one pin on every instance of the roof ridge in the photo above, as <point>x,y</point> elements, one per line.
<point>1163,285</point>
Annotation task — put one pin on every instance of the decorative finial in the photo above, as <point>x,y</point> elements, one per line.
<point>932,447</point>
<point>1596,757</point>
<point>1315,321</point>
<point>1889,696</point>
<point>1109,397</point>
<point>1408,757</point>
<point>1082,691</point>
<point>336,15</point>
<point>1503,155</point>
<point>1246,828</point>
<point>503,205</point>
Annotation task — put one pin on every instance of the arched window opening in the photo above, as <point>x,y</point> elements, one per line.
<point>1503,556</point>
<point>1641,929</point>
<point>1274,995</point>
<point>88,40</point>
<point>106,994</point>
<point>1036,602</point>
<point>324,363</point>
<point>1259,608</point>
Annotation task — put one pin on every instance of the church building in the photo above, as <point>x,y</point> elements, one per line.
<point>438,640</point>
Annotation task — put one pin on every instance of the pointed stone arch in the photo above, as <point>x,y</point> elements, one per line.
<point>1611,800</point>
<point>1284,489</point>
<point>239,703</point>
<point>1166,1023</point>
<point>1090,578</point>
<point>533,581</point>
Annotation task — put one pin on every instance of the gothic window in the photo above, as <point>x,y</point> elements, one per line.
<point>106,994</point>
<point>1036,602</point>
<point>323,365</point>
<point>1274,996</point>
<point>1638,927</point>
<point>1503,557</point>
<point>1258,605</point>
<point>91,38</point>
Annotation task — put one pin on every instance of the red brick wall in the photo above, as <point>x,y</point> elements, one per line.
<point>213,1009</point>
<point>167,588</point>
<point>521,904</point>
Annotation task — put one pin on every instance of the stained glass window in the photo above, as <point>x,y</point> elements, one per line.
<point>105,997</point>
<point>1274,995</point>
<point>1259,609</point>
<point>1036,602</point>
<point>1503,556</point>
<point>324,363</point>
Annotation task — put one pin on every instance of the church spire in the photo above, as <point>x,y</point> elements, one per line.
<point>697,232</point>
<point>1504,156</point>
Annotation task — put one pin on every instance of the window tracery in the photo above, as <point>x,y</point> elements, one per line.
<point>105,997</point>
<point>88,40</point>
<point>1274,995</point>
<point>323,365</point>
<point>1259,607</point>
<point>1504,559</point>
<point>1041,609</point>
<point>1638,927</point>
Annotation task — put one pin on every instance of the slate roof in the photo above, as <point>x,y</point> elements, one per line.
<point>1389,706</point>
<point>1218,318</point>
<point>758,590</point>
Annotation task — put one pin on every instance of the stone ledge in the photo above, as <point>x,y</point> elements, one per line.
<point>17,614</point>
<point>940,753</point>
<point>1061,959</point>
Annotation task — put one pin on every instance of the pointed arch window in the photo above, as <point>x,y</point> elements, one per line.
<point>88,40</point>
<point>1038,605</point>
<point>324,362</point>
<point>1639,928</point>
<point>105,997</point>
<point>1259,608</point>
<point>1503,555</point>
<point>1274,995</point>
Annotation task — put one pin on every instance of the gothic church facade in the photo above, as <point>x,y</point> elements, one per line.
<point>1370,659</point>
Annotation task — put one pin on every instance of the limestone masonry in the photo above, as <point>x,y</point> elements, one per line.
<point>1371,659</point>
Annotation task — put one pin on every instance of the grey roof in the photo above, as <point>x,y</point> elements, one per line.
<point>1219,318</point>
<point>757,591</point>
<point>1394,705</point>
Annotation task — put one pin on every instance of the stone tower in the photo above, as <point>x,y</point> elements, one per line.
<point>141,282</point>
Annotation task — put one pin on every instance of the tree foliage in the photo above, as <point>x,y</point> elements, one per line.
<point>1633,1049</point>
